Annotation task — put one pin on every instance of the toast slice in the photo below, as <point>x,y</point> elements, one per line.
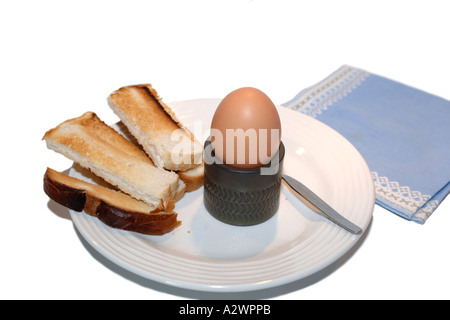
<point>94,145</point>
<point>154,125</point>
<point>193,178</point>
<point>114,208</point>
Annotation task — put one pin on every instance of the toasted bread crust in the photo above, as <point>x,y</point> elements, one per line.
<point>113,208</point>
<point>147,92</point>
<point>140,102</point>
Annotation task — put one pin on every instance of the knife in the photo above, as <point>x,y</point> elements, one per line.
<point>321,205</point>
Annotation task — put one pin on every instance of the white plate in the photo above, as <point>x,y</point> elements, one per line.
<point>205,254</point>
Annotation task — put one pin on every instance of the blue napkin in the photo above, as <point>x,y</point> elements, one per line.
<point>402,133</point>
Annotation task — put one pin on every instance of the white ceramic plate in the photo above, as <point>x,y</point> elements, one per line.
<point>205,254</point>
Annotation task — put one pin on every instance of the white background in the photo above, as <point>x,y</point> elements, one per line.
<point>61,58</point>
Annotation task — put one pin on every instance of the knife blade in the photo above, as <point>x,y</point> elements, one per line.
<point>321,205</point>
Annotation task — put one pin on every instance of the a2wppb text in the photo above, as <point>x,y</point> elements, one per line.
<point>232,309</point>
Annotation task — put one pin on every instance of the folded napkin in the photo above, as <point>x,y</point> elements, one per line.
<point>402,133</point>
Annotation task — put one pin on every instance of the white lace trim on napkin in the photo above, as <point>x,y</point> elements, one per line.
<point>334,88</point>
<point>402,196</point>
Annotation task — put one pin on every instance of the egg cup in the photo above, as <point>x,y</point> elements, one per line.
<point>242,197</point>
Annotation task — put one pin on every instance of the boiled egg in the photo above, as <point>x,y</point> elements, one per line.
<point>246,129</point>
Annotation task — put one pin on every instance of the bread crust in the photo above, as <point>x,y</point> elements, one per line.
<point>113,208</point>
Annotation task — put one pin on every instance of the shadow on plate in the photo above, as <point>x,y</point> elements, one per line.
<point>206,295</point>
<point>58,210</point>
